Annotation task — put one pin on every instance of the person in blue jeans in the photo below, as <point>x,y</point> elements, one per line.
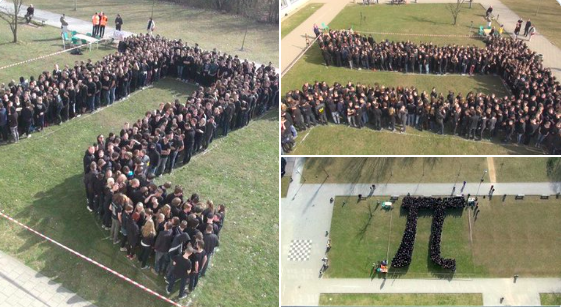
<point>181,270</point>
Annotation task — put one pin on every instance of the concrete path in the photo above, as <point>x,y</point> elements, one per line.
<point>294,43</point>
<point>22,286</point>
<point>74,24</point>
<point>491,168</point>
<point>306,215</point>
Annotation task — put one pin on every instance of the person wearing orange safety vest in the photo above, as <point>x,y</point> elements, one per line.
<point>95,22</point>
<point>102,24</point>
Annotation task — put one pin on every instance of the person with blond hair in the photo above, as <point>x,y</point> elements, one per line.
<point>146,243</point>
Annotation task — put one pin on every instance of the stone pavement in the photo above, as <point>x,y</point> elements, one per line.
<point>294,42</point>
<point>22,286</point>
<point>53,19</point>
<point>306,215</point>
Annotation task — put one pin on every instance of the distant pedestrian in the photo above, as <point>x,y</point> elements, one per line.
<point>151,26</point>
<point>515,277</point>
<point>532,32</point>
<point>317,32</point>
<point>517,28</point>
<point>30,13</point>
<point>527,27</point>
<point>502,299</point>
<point>463,187</point>
<point>95,24</point>
<point>118,22</point>
<point>102,24</point>
<point>63,24</point>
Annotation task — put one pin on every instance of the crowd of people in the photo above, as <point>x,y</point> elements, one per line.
<point>438,206</point>
<point>231,91</point>
<point>182,232</point>
<point>529,116</point>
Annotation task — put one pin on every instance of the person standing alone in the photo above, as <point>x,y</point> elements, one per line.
<point>151,26</point>
<point>118,22</point>
<point>527,27</point>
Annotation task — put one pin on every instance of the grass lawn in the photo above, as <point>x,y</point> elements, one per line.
<point>413,19</point>
<point>435,169</point>
<point>358,242</point>
<point>550,299</point>
<point>285,183</point>
<point>504,239</point>
<point>394,170</point>
<point>291,22</point>
<point>33,42</point>
<point>402,299</point>
<point>366,141</point>
<point>42,187</point>
<point>311,68</point>
<point>528,169</point>
<point>546,20</point>
<point>211,29</point>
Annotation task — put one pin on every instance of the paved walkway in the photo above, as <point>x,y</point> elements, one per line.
<point>21,286</point>
<point>294,42</point>
<point>306,215</point>
<point>53,19</point>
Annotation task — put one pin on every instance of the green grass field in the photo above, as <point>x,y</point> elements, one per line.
<point>550,299</point>
<point>413,20</point>
<point>402,299</point>
<point>367,141</point>
<point>291,22</point>
<point>35,41</point>
<point>209,28</point>
<point>543,13</point>
<point>285,183</point>
<point>394,170</point>
<point>504,241</point>
<point>435,169</point>
<point>42,187</point>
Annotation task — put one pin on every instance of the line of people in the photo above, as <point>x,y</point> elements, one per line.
<point>55,97</point>
<point>529,116</point>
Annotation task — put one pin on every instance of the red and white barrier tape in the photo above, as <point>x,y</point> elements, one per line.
<point>43,56</point>
<point>94,262</point>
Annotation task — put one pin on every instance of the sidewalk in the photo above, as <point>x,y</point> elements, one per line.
<point>294,42</point>
<point>53,19</point>
<point>22,286</point>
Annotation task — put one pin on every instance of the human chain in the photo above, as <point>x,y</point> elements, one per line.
<point>438,205</point>
<point>57,96</point>
<point>529,116</point>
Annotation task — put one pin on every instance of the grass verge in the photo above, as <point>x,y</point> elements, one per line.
<point>291,22</point>
<point>402,299</point>
<point>550,299</point>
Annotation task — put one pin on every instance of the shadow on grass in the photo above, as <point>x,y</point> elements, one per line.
<point>80,230</point>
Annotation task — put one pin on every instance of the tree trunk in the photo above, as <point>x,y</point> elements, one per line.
<point>455,19</point>
<point>15,30</point>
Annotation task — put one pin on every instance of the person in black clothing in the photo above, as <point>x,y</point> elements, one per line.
<point>198,260</point>
<point>211,242</point>
<point>118,22</point>
<point>527,27</point>
<point>181,270</point>
<point>147,242</point>
<point>27,119</point>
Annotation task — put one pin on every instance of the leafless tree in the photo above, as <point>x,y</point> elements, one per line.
<point>456,8</point>
<point>11,17</point>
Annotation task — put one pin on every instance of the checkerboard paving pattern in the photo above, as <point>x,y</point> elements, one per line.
<point>300,250</point>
